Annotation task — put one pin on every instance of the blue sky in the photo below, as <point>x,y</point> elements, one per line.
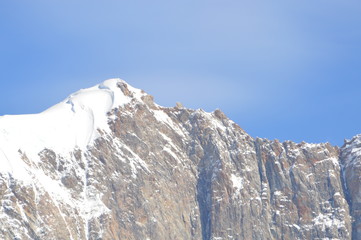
<point>280,69</point>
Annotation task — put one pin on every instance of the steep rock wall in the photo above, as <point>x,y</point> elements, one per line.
<point>176,173</point>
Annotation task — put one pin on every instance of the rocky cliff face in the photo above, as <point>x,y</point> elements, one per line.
<point>351,174</point>
<point>150,172</point>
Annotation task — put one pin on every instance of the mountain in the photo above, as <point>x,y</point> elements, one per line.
<point>109,163</point>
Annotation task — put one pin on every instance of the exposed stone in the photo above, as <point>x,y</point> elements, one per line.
<point>179,105</point>
<point>176,173</point>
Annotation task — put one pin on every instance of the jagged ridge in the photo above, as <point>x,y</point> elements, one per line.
<point>109,163</point>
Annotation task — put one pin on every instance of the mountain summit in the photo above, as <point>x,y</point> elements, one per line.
<point>109,163</point>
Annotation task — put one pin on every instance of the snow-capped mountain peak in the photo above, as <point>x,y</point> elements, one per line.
<point>109,163</point>
<point>73,123</point>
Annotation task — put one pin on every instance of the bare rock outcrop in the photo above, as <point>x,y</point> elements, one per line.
<point>177,173</point>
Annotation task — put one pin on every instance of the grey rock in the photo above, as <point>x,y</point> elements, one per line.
<point>187,175</point>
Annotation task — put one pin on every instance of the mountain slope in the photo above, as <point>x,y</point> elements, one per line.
<point>109,163</point>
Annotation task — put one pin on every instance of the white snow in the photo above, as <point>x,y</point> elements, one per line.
<point>161,116</point>
<point>296,226</point>
<point>277,193</point>
<point>73,123</point>
<point>328,221</point>
<point>337,194</point>
<point>133,159</point>
<point>237,182</point>
<point>334,161</point>
<point>352,151</point>
<point>215,122</point>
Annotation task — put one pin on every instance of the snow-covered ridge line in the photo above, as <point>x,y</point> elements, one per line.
<point>74,123</point>
<point>116,164</point>
<point>70,124</point>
